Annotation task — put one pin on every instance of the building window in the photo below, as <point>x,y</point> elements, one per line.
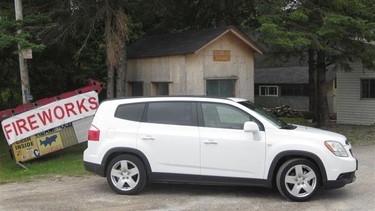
<point>160,88</point>
<point>221,87</point>
<point>268,90</point>
<point>135,88</point>
<point>367,88</point>
<point>294,90</point>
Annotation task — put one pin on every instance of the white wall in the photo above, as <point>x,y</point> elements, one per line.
<point>351,109</point>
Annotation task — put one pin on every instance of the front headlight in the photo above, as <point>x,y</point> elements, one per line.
<point>336,148</point>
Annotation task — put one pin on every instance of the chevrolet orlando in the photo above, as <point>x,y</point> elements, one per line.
<point>203,140</point>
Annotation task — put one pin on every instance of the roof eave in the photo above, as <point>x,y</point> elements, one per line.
<point>239,35</point>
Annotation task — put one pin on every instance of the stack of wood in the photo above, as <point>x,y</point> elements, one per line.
<point>285,111</point>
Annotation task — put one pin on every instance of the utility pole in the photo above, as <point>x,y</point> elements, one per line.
<point>24,73</point>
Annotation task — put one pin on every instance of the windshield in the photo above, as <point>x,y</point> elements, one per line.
<point>267,115</point>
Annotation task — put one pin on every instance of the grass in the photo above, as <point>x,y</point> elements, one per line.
<point>294,120</point>
<point>69,161</point>
<point>356,134</point>
<point>65,162</point>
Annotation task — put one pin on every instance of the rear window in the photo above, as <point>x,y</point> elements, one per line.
<point>176,113</point>
<point>132,112</point>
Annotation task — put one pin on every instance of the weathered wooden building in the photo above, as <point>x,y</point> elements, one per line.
<point>216,62</point>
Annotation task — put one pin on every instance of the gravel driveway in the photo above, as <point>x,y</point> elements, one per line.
<point>93,193</point>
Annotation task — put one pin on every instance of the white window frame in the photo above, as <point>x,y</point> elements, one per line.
<point>267,88</point>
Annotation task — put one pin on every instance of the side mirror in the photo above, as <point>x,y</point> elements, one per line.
<point>252,127</point>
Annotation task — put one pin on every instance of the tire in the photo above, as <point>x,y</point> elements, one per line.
<point>126,174</point>
<point>298,179</point>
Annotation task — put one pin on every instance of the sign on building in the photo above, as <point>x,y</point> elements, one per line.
<point>221,55</point>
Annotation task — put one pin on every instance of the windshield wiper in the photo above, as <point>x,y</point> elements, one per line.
<point>288,127</point>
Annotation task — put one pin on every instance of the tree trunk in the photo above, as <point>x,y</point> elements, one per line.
<point>121,72</point>
<point>323,111</point>
<point>110,81</point>
<point>313,105</point>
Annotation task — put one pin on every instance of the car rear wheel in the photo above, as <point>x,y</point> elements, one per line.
<point>298,179</point>
<point>126,174</point>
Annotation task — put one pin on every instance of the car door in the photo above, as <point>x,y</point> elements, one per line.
<point>169,137</point>
<point>226,149</point>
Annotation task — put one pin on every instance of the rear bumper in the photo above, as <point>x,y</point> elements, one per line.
<point>342,180</point>
<point>95,168</point>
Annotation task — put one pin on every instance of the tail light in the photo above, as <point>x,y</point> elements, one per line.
<point>93,134</point>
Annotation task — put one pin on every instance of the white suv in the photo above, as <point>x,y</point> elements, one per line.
<point>212,141</point>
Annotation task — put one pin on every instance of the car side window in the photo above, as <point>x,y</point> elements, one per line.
<point>132,112</point>
<point>176,113</point>
<point>223,116</point>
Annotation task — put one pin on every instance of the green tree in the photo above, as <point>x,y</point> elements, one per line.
<point>9,26</point>
<point>92,20</point>
<point>336,32</point>
<point>9,38</point>
<point>163,16</point>
<point>70,57</point>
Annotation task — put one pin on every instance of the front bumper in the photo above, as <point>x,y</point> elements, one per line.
<point>342,180</point>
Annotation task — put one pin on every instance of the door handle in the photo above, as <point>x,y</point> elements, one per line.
<point>148,138</point>
<point>210,142</point>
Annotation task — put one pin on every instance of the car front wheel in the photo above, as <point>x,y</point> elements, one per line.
<point>126,174</point>
<point>298,179</point>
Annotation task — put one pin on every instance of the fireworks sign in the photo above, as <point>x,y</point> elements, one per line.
<point>50,124</point>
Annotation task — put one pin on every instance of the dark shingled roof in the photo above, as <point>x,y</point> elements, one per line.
<point>283,75</point>
<point>293,70</point>
<point>177,43</point>
<point>271,61</point>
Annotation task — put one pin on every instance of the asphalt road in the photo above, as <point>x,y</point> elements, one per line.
<point>93,193</point>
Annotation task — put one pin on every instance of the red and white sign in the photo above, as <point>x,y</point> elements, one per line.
<point>50,116</point>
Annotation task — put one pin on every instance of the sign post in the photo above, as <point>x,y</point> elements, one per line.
<point>24,72</point>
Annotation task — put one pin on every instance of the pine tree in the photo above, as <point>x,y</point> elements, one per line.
<point>335,32</point>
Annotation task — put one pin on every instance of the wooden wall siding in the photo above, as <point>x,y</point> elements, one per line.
<point>195,84</point>
<point>188,73</point>
<point>159,69</point>
<point>351,109</point>
<point>241,65</point>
